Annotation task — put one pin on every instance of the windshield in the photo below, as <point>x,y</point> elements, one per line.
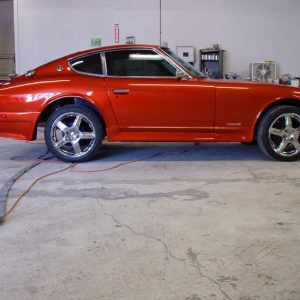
<point>191,69</point>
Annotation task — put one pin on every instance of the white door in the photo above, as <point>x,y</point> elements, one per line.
<point>7,45</point>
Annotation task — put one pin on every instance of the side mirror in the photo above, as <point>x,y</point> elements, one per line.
<point>181,75</point>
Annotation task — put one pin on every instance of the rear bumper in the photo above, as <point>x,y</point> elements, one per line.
<point>19,126</point>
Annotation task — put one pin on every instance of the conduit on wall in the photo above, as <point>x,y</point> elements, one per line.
<point>160,22</point>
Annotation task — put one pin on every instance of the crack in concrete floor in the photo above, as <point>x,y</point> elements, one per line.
<point>190,253</point>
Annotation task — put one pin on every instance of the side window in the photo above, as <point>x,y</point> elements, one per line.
<point>140,63</point>
<point>90,64</point>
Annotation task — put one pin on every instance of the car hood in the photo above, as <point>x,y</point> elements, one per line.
<point>246,83</point>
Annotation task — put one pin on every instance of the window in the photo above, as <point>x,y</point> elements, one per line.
<point>90,64</point>
<point>144,63</point>
<point>184,63</point>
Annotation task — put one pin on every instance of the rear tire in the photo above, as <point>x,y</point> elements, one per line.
<point>278,133</point>
<point>73,134</point>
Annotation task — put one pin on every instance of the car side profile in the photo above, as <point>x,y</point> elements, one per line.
<point>144,93</point>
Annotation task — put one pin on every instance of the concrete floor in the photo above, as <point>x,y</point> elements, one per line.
<point>189,222</point>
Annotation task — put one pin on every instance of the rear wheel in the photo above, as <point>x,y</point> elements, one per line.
<point>73,134</point>
<point>278,133</point>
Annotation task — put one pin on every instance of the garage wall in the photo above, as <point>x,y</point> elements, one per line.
<point>249,31</point>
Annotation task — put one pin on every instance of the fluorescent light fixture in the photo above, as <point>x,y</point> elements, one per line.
<point>145,57</point>
<point>77,63</point>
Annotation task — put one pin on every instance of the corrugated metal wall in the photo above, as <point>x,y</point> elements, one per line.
<point>7,45</point>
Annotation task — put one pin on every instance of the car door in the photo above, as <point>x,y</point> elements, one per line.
<point>146,95</point>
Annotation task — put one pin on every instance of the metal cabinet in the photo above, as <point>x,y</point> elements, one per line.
<point>211,62</point>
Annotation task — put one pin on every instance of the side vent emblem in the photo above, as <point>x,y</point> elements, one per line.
<point>234,124</point>
<point>60,68</point>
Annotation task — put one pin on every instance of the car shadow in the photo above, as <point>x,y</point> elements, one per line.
<point>154,151</point>
<point>179,152</point>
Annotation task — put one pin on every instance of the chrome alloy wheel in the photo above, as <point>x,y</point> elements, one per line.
<point>72,134</point>
<point>284,134</point>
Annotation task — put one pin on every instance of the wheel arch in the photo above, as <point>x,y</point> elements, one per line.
<point>70,100</point>
<point>280,102</point>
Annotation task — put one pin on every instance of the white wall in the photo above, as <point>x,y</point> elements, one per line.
<point>253,30</point>
<point>249,30</point>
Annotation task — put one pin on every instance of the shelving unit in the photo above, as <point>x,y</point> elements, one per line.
<point>211,62</point>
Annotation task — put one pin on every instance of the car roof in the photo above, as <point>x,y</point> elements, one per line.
<point>112,47</point>
<point>78,54</point>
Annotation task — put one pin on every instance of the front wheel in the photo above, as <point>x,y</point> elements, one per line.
<point>278,133</point>
<point>73,134</point>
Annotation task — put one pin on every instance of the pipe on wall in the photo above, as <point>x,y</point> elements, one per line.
<point>160,22</point>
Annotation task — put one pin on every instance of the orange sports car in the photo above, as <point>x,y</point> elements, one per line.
<point>144,93</point>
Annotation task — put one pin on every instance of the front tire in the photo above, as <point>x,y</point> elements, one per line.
<point>278,133</point>
<point>73,134</point>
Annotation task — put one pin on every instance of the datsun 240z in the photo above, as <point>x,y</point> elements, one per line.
<point>144,93</point>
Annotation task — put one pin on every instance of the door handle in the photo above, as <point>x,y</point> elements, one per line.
<point>121,91</point>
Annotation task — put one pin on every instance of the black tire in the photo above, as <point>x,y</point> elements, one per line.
<point>278,133</point>
<point>73,134</point>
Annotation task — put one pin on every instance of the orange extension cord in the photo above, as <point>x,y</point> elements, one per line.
<point>71,167</point>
